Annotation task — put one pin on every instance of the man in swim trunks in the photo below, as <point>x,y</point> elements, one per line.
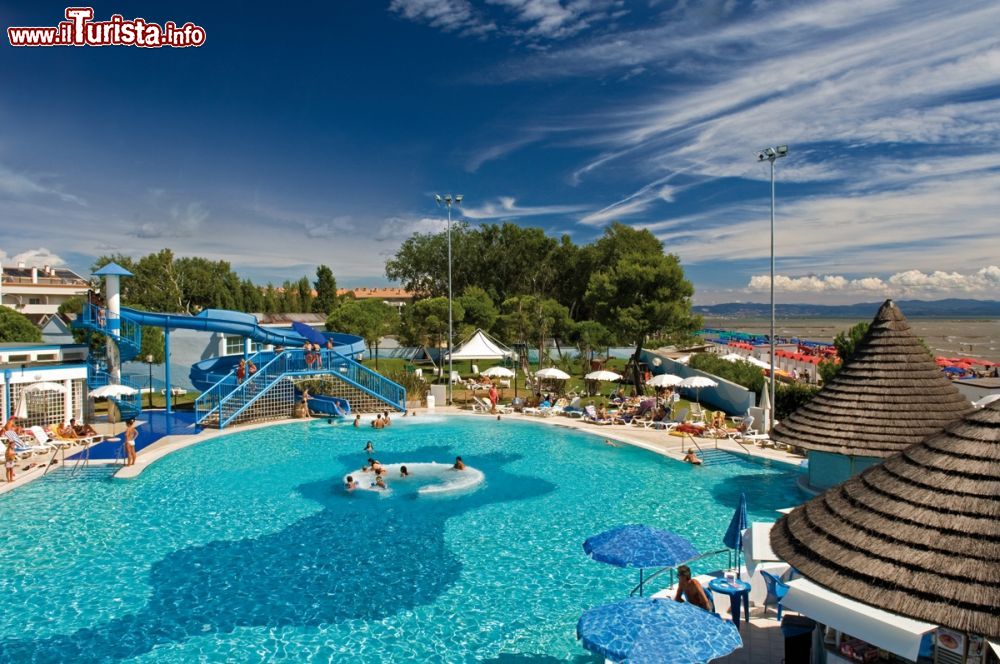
<point>459,464</point>
<point>690,589</point>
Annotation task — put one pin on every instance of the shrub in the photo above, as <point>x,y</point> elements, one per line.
<point>741,373</point>
<point>791,396</point>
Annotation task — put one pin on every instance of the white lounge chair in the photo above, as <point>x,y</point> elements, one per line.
<point>22,448</point>
<point>479,405</point>
<point>43,438</point>
<point>590,415</point>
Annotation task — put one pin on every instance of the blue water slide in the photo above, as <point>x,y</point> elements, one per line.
<point>218,320</point>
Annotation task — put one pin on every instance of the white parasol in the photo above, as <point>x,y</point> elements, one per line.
<point>552,373</point>
<point>498,372</point>
<point>603,375</point>
<point>112,390</point>
<point>664,380</point>
<point>21,412</point>
<point>697,382</point>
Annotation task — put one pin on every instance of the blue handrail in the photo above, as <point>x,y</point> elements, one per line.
<point>209,400</point>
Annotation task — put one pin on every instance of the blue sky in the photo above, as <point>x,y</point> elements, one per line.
<point>318,133</point>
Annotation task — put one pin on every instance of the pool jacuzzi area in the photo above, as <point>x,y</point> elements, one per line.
<point>248,547</point>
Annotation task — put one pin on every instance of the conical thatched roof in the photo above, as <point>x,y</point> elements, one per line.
<point>918,535</point>
<point>889,396</point>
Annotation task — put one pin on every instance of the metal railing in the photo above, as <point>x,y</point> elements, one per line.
<point>227,400</point>
<point>209,400</point>
<point>647,579</point>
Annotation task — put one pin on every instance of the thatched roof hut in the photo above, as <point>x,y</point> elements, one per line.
<point>889,396</point>
<point>918,535</point>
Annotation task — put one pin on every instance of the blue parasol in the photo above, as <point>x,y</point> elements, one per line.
<point>308,333</point>
<point>734,534</point>
<point>640,546</point>
<point>642,629</point>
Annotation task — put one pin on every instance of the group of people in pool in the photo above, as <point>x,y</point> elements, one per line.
<point>379,472</point>
<point>382,420</point>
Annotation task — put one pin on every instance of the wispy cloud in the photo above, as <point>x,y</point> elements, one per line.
<point>24,185</point>
<point>520,19</point>
<point>506,207</point>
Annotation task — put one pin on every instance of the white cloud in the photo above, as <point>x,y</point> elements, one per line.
<point>446,15</point>
<point>21,185</point>
<point>32,258</point>
<point>909,282</point>
<point>176,220</point>
<point>506,207</point>
<point>399,228</point>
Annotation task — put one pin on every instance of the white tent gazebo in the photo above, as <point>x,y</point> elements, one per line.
<point>480,346</point>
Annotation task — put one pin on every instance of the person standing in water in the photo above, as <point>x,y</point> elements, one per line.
<point>369,448</point>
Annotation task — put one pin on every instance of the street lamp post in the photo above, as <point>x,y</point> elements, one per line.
<point>771,155</point>
<point>448,200</point>
<point>149,361</point>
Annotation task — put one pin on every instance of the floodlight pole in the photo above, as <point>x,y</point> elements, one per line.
<point>447,200</point>
<point>771,155</point>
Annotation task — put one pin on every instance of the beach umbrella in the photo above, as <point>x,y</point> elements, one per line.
<point>46,387</point>
<point>21,412</point>
<point>603,375</point>
<point>987,400</point>
<point>649,630</point>
<point>733,357</point>
<point>765,406</point>
<point>112,390</point>
<point>552,373</point>
<point>664,380</point>
<point>498,372</point>
<point>697,382</point>
<point>733,538</point>
<point>954,370</point>
<point>639,546</point>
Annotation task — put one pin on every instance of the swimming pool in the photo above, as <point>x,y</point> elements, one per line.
<point>246,548</point>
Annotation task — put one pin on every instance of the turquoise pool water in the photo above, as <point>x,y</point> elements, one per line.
<point>245,548</point>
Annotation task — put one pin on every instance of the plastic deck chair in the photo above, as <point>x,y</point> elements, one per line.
<point>776,591</point>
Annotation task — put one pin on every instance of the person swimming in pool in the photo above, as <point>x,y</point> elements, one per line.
<point>403,472</point>
<point>369,448</point>
<point>350,484</point>
<point>691,457</point>
<point>357,421</point>
<point>380,483</point>
<point>459,464</point>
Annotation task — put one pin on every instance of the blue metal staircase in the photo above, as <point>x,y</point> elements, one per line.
<point>127,338</point>
<point>228,400</point>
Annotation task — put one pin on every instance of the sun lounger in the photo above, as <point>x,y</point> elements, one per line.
<point>22,448</point>
<point>44,439</point>
<point>590,415</point>
<point>479,405</point>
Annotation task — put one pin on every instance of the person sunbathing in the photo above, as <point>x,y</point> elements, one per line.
<point>66,431</point>
<point>82,429</point>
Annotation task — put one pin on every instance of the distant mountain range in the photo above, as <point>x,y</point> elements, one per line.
<point>950,308</point>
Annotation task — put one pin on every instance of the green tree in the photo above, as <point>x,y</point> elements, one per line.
<point>590,336</point>
<point>480,312</point>
<point>428,320</point>
<point>305,295</point>
<point>845,342</point>
<point>326,291</point>
<point>371,319</point>
<point>253,298</point>
<point>271,304</point>
<point>638,290</point>
<point>741,373</point>
<point>290,302</point>
<point>16,327</point>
